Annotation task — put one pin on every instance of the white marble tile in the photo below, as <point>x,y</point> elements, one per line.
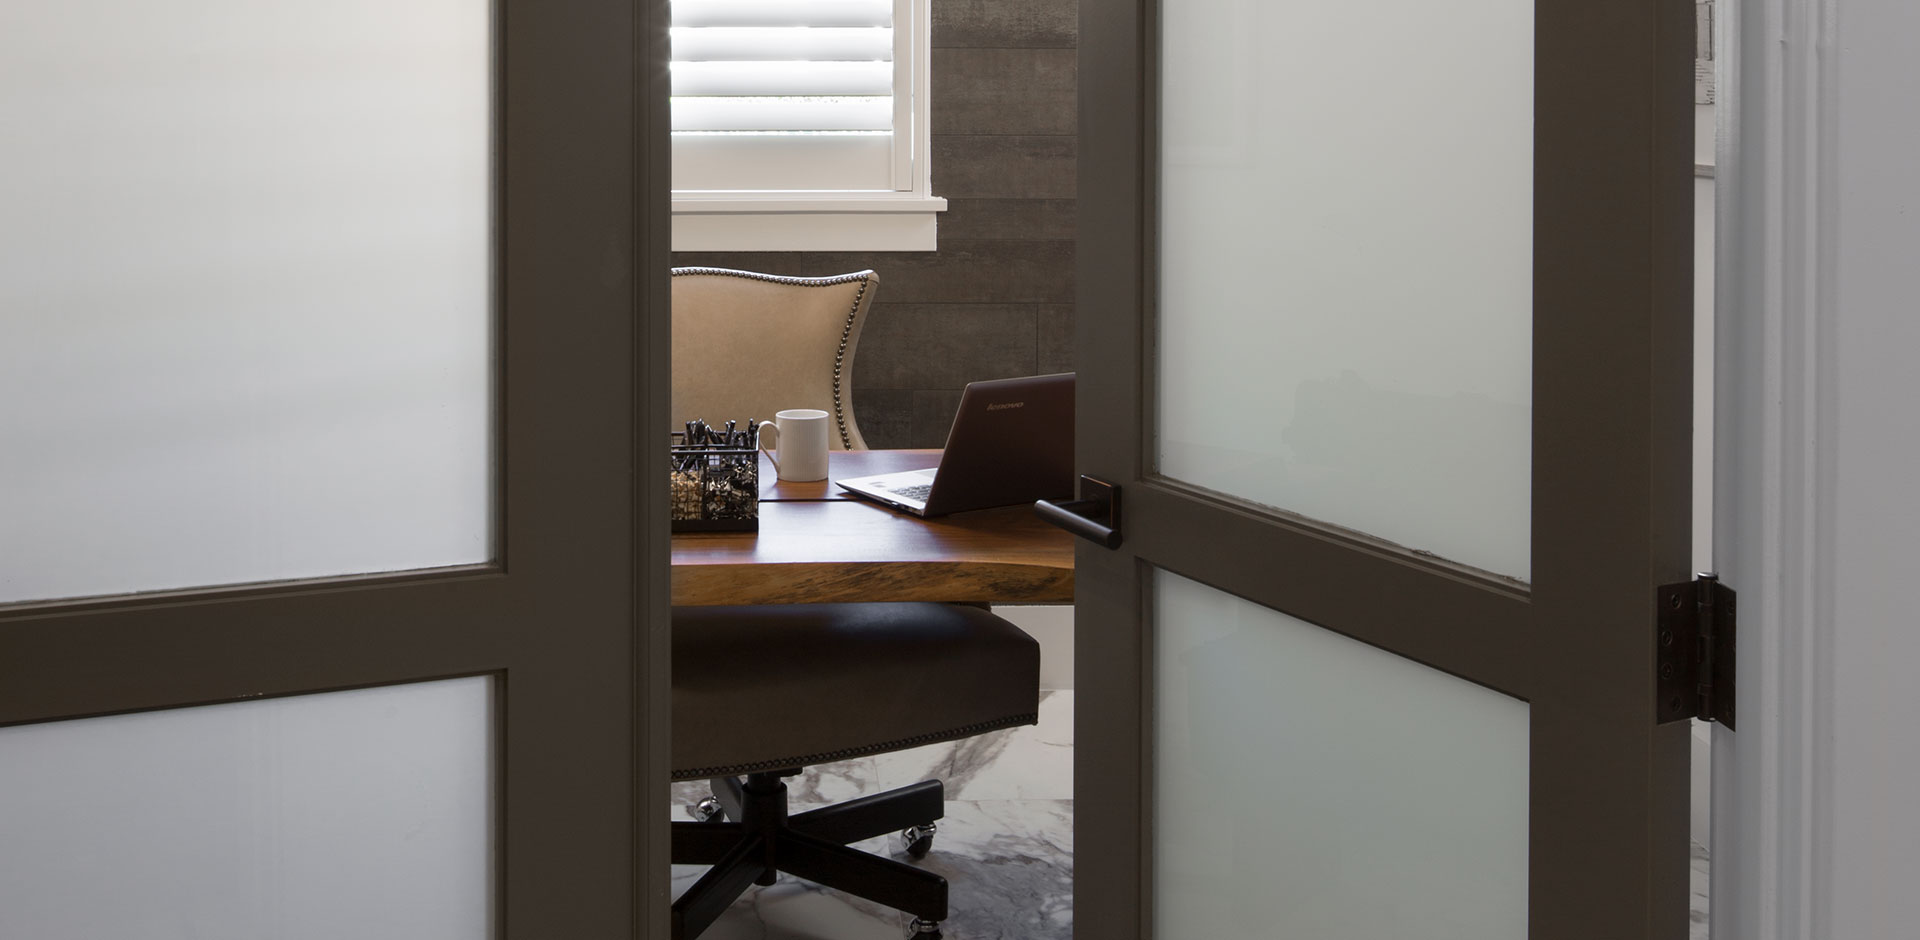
<point>1034,762</point>
<point>796,910</point>
<point>1031,763</point>
<point>913,765</point>
<point>1009,865</point>
<point>835,782</point>
<point>816,786</point>
<point>685,792</point>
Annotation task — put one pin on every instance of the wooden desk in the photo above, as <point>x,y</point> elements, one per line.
<point>841,465</point>
<point>815,544</point>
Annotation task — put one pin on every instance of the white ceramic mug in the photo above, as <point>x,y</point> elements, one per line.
<point>801,436</point>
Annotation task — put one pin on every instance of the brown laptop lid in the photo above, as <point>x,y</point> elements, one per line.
<point>1011,443</point>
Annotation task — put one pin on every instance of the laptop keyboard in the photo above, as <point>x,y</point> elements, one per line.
<point>918,491</point>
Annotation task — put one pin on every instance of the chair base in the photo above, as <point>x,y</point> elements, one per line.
<point>761,840</point>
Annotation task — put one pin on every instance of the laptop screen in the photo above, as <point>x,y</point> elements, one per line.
<point>1011,442</point>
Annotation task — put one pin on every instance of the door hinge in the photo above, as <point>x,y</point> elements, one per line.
<point>1694,651</point>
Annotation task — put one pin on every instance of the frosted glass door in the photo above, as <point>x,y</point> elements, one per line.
<point>364,814</point>
<point>1344,334</point>
<point>1346,249</point>
<point>1309,785</point>
<point>271,345</point>
<point>1408,468</point>
<point>246,314</point>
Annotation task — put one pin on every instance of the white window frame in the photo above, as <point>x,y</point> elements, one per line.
<point>904,219</point>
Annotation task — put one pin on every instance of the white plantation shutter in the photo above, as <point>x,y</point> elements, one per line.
<point>792,96</point>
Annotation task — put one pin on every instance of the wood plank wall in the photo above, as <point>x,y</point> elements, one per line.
<point>996,299</point>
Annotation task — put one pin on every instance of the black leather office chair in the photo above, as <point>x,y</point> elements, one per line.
<point>764,691</point>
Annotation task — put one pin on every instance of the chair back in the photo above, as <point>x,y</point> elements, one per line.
<point>746,345</point>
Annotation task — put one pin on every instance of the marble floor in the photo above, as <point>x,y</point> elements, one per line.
<point>1005,846</point>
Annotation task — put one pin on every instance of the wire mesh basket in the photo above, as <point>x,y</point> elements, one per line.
<point>715,478</point>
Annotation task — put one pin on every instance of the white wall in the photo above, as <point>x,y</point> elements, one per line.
<point>1874,774</point>
<point>1052,627</point>
<point>1816,828</point>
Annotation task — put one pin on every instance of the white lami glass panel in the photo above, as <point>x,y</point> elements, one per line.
<point>245,291</point>
<point>365,814</point>
<point>1346,265</point>
<point>1309,785</point>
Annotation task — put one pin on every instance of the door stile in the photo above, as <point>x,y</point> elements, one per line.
<point>1612,462</point>
<point>653,395</point>
<point>1112,861</point>
<point>570,210</point>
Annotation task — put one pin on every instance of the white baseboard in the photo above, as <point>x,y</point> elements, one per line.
<point>1053,627</point>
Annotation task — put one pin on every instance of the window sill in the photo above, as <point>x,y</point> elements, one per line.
<point>826,222</point>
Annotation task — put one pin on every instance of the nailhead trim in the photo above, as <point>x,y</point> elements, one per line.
<point>731,770</point>
<point>839,359</point>
<point>846,332</point>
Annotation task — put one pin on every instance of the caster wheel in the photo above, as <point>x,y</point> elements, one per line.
<point>919,929</point>
<point>707,810</point>
<point>918,840</point>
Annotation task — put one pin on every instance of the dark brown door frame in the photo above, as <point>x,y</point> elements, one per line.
<point>1611,432</point>
<point>653,396</point>
<point>572,618</point>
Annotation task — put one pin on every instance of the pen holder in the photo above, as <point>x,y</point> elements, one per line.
<point>715,482</point>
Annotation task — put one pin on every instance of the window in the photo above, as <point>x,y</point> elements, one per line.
<point>801,124</point>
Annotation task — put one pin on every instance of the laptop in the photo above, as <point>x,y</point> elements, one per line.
<point>1011,443</point>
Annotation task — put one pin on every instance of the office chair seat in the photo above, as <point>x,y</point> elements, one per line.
<point>764,691</point>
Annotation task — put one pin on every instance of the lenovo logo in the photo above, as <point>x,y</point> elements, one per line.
<point>1005,405</point>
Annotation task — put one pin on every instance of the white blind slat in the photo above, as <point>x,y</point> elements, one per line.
<point>782,44</point>
<point>782,12</point>
<point>779,95</point>
<point>782,78</point>
<point>783,114</point>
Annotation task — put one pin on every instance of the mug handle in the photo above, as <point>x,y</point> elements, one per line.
<point>770,434</point>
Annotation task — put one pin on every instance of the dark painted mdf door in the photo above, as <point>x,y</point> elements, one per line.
<point>333,602</point>
<point>1384,334</point>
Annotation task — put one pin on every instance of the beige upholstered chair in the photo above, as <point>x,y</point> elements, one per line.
<point>746,345</point>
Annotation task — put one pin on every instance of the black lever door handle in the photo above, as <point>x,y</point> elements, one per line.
<point>1095,516</point>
